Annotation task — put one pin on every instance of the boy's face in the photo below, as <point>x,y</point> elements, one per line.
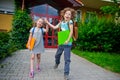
<point>40,23</point>
<point>67,15</point>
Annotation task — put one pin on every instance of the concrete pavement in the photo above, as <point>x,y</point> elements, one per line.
<point>16,67</point>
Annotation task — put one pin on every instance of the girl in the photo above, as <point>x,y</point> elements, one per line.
<point>37,32</point>
<point>67,16</point>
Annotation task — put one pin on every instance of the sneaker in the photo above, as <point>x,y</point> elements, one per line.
<point>56,66</point>
<point>31,74</point>
<point>38,68</point>
<point>66,77</point>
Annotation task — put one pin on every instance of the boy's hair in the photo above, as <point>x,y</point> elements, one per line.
<point>73,12</point>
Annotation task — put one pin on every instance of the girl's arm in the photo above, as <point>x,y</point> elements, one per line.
<point>54,27</point>
<point>71,33</point>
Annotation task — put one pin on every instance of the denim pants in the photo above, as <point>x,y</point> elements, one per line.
<point>67,55</point>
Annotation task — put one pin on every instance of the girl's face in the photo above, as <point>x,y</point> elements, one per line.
<point>67,15</point>
<point>40,23</point>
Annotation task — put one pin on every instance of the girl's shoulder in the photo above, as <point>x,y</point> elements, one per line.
<point>32,29</point>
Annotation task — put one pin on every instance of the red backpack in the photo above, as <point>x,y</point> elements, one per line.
<point>75,31</point>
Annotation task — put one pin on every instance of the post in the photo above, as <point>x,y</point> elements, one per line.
<point>22,5</point>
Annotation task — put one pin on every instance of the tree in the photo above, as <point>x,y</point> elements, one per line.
<point>21,25</point>
<point>114,10</point>
<point>111,9</point>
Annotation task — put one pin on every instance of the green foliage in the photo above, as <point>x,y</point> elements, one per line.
<point>110,9</point>
<point>18,5</point>
<point>99,34</point>
<point>17,37</point>
<point>4,38</point>
<point>21,25</point>
<point>6,48</point>
<point>109,61</point>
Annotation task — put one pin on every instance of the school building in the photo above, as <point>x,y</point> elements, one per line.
<point>50,9</point>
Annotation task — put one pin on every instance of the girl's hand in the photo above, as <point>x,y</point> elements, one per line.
<point>29,47</point>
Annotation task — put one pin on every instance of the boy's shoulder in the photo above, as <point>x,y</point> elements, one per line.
<point>71,22</point>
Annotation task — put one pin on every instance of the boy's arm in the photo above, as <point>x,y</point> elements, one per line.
<point>54,27</point>
<point>71,33</point>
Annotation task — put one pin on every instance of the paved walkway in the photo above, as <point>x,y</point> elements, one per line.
<point>16,67</point>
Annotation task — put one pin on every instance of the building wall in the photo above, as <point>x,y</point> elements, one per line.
<point>7,5</point>
<point>6,19</point>
<point>84,10</point>
<point>5,22</point>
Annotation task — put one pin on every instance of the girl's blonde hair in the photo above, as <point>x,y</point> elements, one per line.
<point>73,12</point>
<point>35,22</point>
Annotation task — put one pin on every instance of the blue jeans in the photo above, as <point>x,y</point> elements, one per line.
<point>67,55</point>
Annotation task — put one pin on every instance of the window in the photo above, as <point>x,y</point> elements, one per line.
<point>42,9</point>
<point>78,16</point>
<point>6,12</point>
<point>52,11</point>
<point>89,15</point>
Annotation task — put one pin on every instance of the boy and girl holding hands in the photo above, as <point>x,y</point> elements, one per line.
<point>67,15</point>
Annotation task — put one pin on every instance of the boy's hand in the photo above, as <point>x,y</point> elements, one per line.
<point>66,42</point>
<point>46,21</point>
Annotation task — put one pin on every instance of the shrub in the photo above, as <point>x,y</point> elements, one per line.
<point>21,25</point>
<point>4,39</point>
<point>99,34</point>
<point>6,47</point>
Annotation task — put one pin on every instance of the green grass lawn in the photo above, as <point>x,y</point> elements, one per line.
<point>106,60</point>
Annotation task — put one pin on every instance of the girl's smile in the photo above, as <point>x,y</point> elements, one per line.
<point>40,23</point>
<point>67,15</point>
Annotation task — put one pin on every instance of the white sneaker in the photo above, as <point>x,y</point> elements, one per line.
<point>66,77</point>
<point>56,66</point>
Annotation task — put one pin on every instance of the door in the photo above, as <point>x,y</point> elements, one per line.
<point>46,11</point>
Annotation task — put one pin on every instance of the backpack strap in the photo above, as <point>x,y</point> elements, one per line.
<point>42,31</point>
<point>60,26</point>
<point>68,24</point>
<point>33,31</point>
